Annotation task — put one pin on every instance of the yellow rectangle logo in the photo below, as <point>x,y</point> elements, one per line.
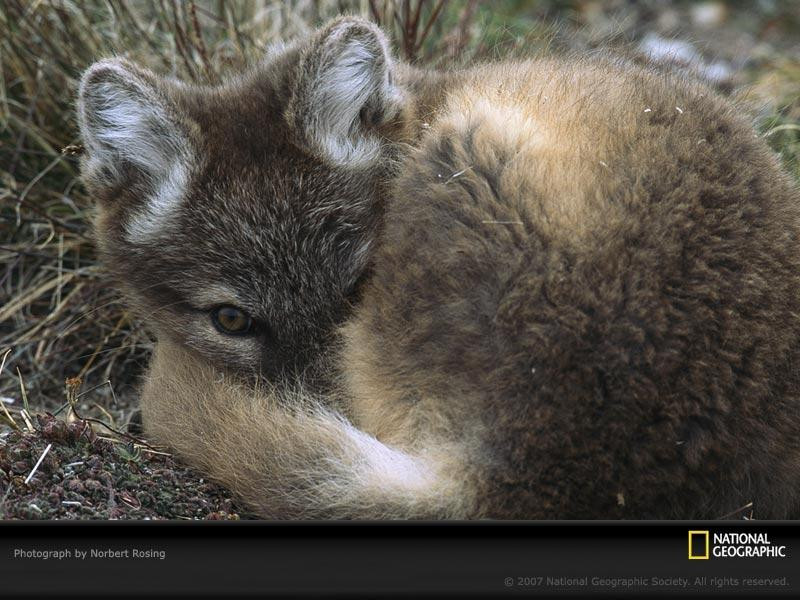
<point>697,534</point>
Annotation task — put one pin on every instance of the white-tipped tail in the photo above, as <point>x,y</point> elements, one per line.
<point>287,455</point>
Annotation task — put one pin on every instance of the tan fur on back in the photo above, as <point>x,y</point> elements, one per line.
<point>572,276</point>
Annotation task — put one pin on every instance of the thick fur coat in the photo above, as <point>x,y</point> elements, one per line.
<point>555,288</point>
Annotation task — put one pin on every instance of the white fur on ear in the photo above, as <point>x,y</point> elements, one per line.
<point>127,128</point>
<point>346,75</point>
<point>161,207</point>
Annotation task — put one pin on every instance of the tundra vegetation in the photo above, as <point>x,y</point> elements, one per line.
<point>68,345</point>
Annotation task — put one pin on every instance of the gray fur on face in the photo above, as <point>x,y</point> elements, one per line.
<point>221,196</point>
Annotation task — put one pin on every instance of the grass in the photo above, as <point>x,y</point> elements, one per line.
<point>781,125</point>
<point>59,316</point>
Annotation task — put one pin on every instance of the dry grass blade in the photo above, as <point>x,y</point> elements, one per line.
<point>7,415</point>
<point>32,295</point>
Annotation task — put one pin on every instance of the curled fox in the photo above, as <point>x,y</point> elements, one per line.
<point>554,288</point>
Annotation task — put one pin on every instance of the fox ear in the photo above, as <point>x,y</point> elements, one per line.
<point>129,128</point>
<point>344,89</point>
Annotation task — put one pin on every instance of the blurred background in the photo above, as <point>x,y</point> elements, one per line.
<point>59,316</point>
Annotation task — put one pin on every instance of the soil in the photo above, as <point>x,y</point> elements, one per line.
<point>61,470</point>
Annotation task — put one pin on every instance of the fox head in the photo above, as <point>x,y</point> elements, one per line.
<point>239,218</point>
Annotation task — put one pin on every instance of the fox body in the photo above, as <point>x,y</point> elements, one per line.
<point>555,288</point>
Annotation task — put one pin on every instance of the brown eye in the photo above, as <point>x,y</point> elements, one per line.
<point>230,320</point>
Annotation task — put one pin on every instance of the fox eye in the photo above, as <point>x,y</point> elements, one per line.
<point>231,321</point>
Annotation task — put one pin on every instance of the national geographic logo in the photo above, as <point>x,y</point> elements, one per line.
<point>702,546</point>
<point>698,545</point>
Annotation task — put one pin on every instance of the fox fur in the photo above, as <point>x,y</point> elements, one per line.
<point>554,288</point>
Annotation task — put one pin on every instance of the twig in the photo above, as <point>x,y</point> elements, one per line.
<point>38,462</point>
<point>426,31</point>
<point>98,386</point>
<point>736,512</point>
<point>106,414</point>
<point>180,42</point>
<point>139,445</point>
<point>73,404</point>
<point>373,9</point>
<point>201,45</point>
